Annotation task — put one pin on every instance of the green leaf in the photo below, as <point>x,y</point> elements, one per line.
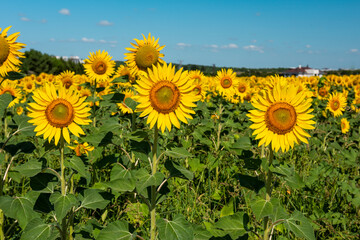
<point>116,231</point>
<point>30,168</point>
<point>250,182</point>
<point>144,179</point>
<point>291,177</point>
<point>201,233</point>
<point>178,229</point>
<point>120,185</point>
<point>78,165</point>
<point>20,208</point>
<point>44,182</point>
<point>118,172</point>
<point>63,204</point>
<point>178,171</point>
<point>36,229</point>
<point>14,75</point>
<point>131,103</point>
<point>300,226</point>
<point>261,208</point>
<point>26,128</point>
<point>234,225</point>
<point>243,143</point>
<point>93,200</point>
<point>228,209</point>
<point>178,153</point>
<point>5,99</point>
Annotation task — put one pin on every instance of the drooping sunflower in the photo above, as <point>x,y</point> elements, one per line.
<point>165,96</point>
<point>81,148</point>
<point>336,104</point>
<point>122,106</point>
<point>144,54</point>
<point>99,66</point>
<point>345,125</point>
<point>56,111</point>
<point>225,84</point>
<point>9,52</point>
<point>281,116</point>
<point>10,87</point>
<point>124,70</point>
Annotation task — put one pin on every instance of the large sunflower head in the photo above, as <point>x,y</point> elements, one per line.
<point>225,82</point>
<point>336,104</point>
<point>281,116</point>
<point>99,66</point>
<point>166,96</point>
<point>56,111</point>
<point>144,54</point>
<point>9,52</point>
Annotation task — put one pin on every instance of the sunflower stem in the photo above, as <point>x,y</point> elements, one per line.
<point>153,188</point>
<point>63,232</point>
<point>268,181</point>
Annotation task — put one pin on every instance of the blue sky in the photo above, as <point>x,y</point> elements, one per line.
<point>237,33</point>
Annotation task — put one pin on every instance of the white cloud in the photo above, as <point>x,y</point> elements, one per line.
<point>308,46</point>
<point>102,41</point>
<point>84,39</point>
<point>25,19</point>
<point>64,11</point>
<point>43,20</point>
<point>230,45</point>
<point>254,48</point>
<point>52,40</point>
<point>113,42</point>
<point>105,23</point>
<point>354,50</point>
<point>183,45</point>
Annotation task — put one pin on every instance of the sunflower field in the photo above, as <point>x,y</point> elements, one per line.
<point>149,151</point>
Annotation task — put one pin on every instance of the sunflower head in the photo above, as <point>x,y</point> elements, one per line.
<point>225,82</point>
<point>281,116</point>
<point>144,55</point>
<point>165,96</point>
<point>56,111</point>
<point>99,66</point>
<point>336,103</point>
<point>9,52</point>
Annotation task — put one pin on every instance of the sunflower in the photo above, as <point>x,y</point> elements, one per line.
<point>336,104</point>
<point>165,96</point>
<point>56,111</point>
<point>122,106</point>
<point>81,148</point>
<point>242,88</point>
<point>225,82</point>
<point>27,85</point>
<point>144,54</point>
<point>281,116</point>
<point>67,79</point>
<point>345,125</point>
<point>99,66</point>
<point>197,76</point>
<point>9,52</point>
<point>10,87</point>
<point>124,70</point>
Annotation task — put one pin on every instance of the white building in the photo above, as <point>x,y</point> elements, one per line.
<point>303,72</point>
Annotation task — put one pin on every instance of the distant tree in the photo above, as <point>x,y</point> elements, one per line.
<point>36,62</point>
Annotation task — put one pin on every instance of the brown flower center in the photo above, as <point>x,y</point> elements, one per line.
<point>4,50</point>
<point>226,82</point>
<point>99,67</point>
<point>60,113</point>
<point>335,105</point>
<point>146,56</point>
<point>280,118</point>
<point>242,88</point>
<point>164,97</point>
